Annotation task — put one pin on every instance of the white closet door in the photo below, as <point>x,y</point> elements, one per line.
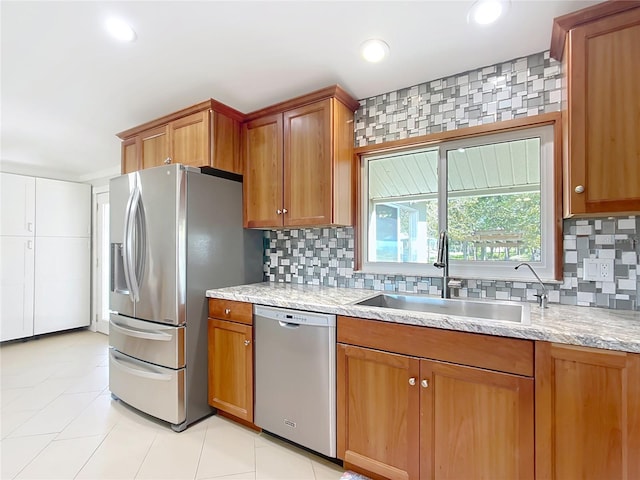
<point>17,204</point>
<point>16,287</point>
<point>63,209</point>
<point>62,283</point>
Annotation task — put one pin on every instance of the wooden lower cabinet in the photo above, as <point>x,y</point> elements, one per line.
<point>402,417</point>
<point>231,368</point>
<point>587,413</point>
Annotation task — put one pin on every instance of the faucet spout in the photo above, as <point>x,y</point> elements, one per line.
<point>443,262</point>
<point>543,298</point>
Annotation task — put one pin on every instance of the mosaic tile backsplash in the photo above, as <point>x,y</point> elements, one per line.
<point>521,87</point>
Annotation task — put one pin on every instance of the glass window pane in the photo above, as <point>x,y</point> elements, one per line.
<point>403,207</point>
<point>494,201</point>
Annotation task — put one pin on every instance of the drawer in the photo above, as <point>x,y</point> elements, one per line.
<point>231,310</point>
<point>502,354</point>
<point>155,390</point>
<point>151,342</point>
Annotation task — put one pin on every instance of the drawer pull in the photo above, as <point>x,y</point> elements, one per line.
<point>227,311</point>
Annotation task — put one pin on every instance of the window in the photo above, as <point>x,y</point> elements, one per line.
<point>493,194</point>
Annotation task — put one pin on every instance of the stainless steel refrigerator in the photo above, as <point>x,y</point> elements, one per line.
<point>174,232</point>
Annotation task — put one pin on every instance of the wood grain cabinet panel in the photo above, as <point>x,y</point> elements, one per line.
<point>230,369</point>
<point>298,158</point>
<point>405,417</point>
<point>130,155</point>
<point>154,147</point>
<point>587,413</point>
<point>602,117</point>
<point>262,188</point>
<point>203,135</point>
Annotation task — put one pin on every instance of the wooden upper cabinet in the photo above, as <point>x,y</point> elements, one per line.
<point>190,139</point>
<point>262,187</point>
<point>307,164</point>
<point>130,155</point>
<point>602,115</point>
<point>203,135</point>
<point>154,147</point>
<point>587,413</point>
<point>298,158</point>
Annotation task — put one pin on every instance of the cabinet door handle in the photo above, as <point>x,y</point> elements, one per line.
<point>424,383</point>
<point>30,226</point>
<point>247,342</point>
<point>284,210</point>
<point>167,160</point>
<point>227,311</point>
<point>279,212</point>
<point>579,189</point>
<point>412,381</point>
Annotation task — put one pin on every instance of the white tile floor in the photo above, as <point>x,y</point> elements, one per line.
<point>58,421</point>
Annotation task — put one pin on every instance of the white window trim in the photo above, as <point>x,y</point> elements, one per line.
<point>477,269</point>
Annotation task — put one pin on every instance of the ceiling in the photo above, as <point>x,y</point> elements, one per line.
<point>67,88</point>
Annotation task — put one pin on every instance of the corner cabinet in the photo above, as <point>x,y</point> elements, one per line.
<point>230,354</point>
<point>203,135</point>
<point>298,159</point>
<point>602,110</point>
<point>587,413</point>
<point>422,403</point>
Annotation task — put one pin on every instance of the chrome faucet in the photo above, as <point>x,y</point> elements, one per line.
<point>443,262</point>
<point>543,298</point>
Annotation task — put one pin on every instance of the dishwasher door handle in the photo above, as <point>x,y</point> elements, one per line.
<point>288,325</point>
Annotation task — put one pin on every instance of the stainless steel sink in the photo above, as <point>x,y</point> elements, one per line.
<point>504,311</point>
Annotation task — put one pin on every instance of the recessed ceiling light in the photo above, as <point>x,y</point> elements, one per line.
<point>374,50</point>
<point>120,30</point>
<point>484,12</point>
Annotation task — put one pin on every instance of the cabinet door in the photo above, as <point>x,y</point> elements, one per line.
<point>226,143</point>
<point>63,209</point>
<point>308,165</point>
<point>154,147</point>
<point>17,204</point>
<point>604,115</point>
<point>130,155</point>
<point>587,413</point>
<point>190,140</point>
<point>62,280</point>
<point>262,187</point>
<point>475,423</point>
<point>231,368</point>
<point>16,287</point>
<point>378,411</point>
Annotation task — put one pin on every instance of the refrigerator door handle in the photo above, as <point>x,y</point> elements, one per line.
<point>138,372</point>
<point>126,246</point>
<point>151,335</point>
<point>130,267</point>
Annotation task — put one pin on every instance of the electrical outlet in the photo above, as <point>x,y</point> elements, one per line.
<point>598,269</point>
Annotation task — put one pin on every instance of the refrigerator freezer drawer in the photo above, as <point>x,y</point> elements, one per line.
<point>151,342</point>
<point>155,390</point>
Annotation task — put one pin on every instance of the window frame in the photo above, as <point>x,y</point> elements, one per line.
<point>550,270</point>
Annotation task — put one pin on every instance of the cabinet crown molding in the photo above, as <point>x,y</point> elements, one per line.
<point>212,104</point>
<point>564,23</point>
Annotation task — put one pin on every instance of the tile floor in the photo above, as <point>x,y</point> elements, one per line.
<point>58,421</point>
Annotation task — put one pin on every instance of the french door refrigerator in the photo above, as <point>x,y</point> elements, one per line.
<point>174,233</point>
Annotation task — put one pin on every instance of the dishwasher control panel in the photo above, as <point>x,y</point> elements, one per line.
<point>295,316</point>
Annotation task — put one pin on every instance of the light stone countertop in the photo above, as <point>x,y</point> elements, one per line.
<point>583,326</point>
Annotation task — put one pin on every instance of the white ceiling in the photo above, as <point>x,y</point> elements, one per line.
<point>67,88</point>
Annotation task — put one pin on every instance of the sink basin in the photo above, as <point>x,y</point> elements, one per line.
<point>487,310</point>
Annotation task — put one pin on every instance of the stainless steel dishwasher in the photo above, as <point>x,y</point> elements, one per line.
<point>295,368</point>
